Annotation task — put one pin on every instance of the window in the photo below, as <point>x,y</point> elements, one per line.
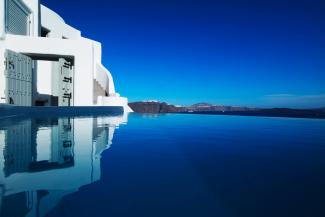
<point>45,32</point>
<point>17,17</point>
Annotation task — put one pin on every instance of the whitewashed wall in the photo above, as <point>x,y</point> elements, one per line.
<point>58,28</point>
<point>86,53</point>
<point>44,77</point>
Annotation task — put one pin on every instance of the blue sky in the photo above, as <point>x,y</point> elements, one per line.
<point>234,52</point>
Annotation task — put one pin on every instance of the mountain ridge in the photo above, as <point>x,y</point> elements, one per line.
<point>157,107</point>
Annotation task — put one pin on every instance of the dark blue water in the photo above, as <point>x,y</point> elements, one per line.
<point>168,165</point>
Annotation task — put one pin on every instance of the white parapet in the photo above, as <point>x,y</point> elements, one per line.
<point>114,101</point>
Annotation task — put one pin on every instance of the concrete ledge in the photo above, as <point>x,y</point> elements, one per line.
<point>7,111</point>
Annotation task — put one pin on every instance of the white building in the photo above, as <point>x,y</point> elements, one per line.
<point>46,62</point>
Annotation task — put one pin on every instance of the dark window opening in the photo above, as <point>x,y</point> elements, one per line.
<point>45,32</point>
<point>54,101</point>
<point>41,102</point>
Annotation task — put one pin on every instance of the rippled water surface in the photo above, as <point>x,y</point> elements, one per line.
<point>168,165</point>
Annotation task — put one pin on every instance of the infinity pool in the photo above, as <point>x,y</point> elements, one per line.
<point>162,166</point>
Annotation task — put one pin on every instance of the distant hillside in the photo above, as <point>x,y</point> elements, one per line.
<point>162,107</point>
<point>153,107</point>
<point>206,108</point>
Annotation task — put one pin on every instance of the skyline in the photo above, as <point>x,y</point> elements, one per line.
<point>261,54</point>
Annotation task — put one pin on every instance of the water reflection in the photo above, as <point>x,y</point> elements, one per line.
<point>44,160</point>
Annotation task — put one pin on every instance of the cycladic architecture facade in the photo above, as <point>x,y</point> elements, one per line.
<point>46,62</point>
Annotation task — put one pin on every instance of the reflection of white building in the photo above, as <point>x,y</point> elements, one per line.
<point>48,62</point>
<point>44,160</point>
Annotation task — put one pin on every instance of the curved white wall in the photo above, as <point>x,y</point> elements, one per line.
<point>105,79</point>
<point>58,28</point>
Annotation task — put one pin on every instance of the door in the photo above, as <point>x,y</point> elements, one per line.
<point>65,83</point>
<point>66,142</point>
<point>62,141</point>
<point>18,74</point>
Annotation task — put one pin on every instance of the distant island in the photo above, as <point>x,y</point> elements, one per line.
<point>156,107</point>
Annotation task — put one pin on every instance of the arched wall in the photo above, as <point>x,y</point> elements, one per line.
<point>56,25</point>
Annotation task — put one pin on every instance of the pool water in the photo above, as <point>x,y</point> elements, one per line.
<point>162,165</point>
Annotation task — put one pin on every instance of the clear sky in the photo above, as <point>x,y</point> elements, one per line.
<point>268,53</point>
